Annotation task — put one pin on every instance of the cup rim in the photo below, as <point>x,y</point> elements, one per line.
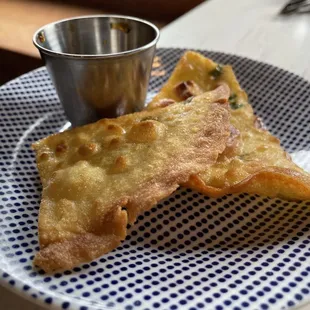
<point>96,56</point>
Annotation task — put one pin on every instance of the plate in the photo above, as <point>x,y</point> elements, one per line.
<point>188,252</point>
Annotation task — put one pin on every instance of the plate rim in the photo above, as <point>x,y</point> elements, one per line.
<point>74,303</point>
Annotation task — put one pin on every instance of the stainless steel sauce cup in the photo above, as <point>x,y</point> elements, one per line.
<point>100,65</point>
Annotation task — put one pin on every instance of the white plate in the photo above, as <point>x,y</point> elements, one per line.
<point>189,252</point>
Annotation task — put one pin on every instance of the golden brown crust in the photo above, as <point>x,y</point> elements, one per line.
<point>188,89</point>
<point>297,185</point>
<point>219,93</point>
<point>85,188</point>
<point>80,248</point>
<point>254,162</point>
<point>83,247</point>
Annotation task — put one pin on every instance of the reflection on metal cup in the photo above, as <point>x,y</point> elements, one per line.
<point>100,65</point>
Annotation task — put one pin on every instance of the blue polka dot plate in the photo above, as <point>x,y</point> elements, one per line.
<point>188,252</point>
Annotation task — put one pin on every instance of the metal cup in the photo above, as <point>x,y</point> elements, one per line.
<point>100,65</point>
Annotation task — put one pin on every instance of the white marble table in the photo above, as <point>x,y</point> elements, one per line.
<point>248,28</point>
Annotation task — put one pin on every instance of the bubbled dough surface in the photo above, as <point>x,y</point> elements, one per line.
<point>90,173</point>
<point>257,163</point>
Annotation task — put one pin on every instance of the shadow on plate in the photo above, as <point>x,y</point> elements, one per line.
<point>188,221</point>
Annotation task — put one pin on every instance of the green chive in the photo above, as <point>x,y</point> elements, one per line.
<point>233,102</point>
<point>215,73</point>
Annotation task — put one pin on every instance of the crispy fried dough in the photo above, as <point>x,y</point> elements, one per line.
<point>99,177</point>
<point>253,161</point>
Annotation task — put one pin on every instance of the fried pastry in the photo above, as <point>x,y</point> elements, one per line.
<point>253,161</point>
<point>98,178</point>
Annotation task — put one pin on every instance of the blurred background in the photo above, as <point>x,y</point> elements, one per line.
<point>19,19</point>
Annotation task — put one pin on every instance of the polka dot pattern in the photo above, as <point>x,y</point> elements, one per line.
<point>188,252</point>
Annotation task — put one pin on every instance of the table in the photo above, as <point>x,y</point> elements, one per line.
<point>18,55</point>
<point>248,28</point>
<point>16,37</point>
